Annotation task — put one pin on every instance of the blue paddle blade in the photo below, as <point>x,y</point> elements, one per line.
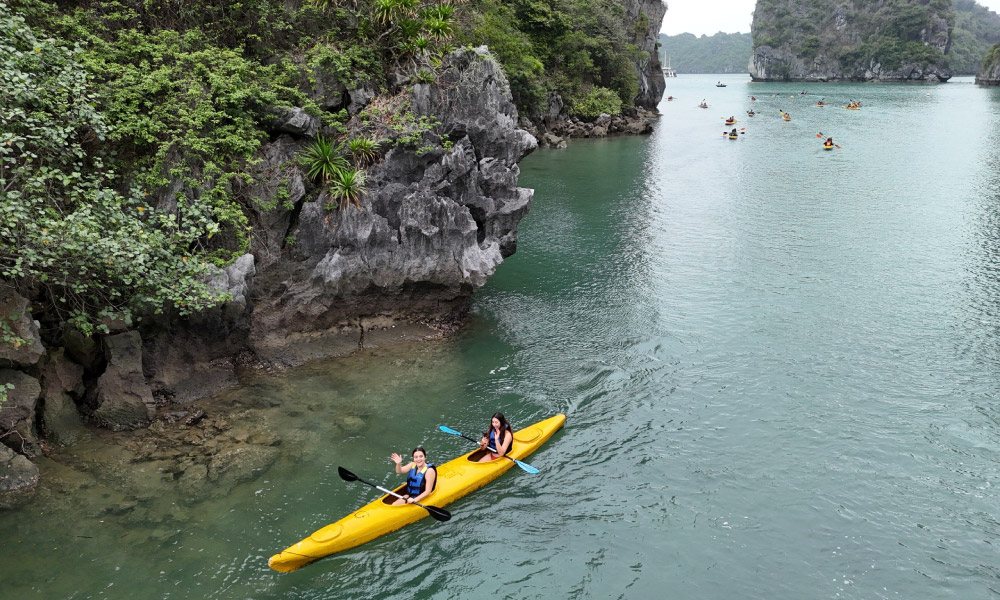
<point>527,467</point>
<point>447,429</point>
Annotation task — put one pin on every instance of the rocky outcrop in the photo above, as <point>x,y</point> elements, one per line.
<point>438,218</point>
<point>15,311</point>
<point>643,19</point>
<point>989,70</point>
<point>796,40</point>
<point>555,133</point>
<point>17,414</point>
<point>123,400</point>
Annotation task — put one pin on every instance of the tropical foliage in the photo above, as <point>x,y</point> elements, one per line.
<point>74,234</point>
<point>558,46</point>
<point>976,29</point>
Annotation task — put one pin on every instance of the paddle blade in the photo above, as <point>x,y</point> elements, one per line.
<point>447,429</point>
<point>346,475</point>
<point>527,467</point>
<point>439,514</point>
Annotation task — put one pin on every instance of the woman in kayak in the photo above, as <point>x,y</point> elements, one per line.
<point>420,476</point>
<point>500,437</point>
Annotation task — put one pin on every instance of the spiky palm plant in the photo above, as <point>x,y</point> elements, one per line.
<point>348,185</point>
<point>363,149</point>
<point>324,159</point>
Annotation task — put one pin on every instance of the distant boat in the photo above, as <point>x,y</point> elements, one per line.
<point>668,71</point>
<point>720,84</point>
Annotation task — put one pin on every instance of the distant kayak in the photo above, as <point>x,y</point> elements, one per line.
<point>786,117</point>
<point>702,105</point>
<point>828,146</point>
<point>733,137</point>
<point>733,122</point>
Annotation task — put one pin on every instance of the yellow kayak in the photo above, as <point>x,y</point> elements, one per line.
<point>456,478</point>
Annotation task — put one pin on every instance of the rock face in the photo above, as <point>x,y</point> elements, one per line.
<point>644,18</point>
<point>439,215</point>
<point>17,415</point>
<point>14,309</point>
<point>123,399</point>
<point>989,70</point>
<point>797,40</point>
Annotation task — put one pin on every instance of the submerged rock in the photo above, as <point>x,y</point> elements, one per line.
<point>18,479</point>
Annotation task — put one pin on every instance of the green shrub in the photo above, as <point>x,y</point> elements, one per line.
<point>599,100</point>
<point>73,235</point>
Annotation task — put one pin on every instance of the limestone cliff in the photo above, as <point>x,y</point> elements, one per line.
<point>440,214</point>
<point>989,70</point>
<point>856,40</point>
<point>644,19</point>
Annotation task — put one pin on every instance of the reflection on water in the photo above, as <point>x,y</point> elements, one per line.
<point>779,367</point>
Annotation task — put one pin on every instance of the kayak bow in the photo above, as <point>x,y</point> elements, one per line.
<point>456,478</point>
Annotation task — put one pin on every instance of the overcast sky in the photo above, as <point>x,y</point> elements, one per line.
<point>707,17</point>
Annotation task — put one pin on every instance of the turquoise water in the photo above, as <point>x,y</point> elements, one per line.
<point>779,366</point>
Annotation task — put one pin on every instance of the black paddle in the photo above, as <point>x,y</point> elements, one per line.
<point>439,514</point>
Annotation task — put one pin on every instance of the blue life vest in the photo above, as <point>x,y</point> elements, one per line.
<point>493,441</point>
<point>416,481</point>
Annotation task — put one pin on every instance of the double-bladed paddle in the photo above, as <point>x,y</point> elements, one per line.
<point>523,465</point>
<point>820,135</point>
<point>439,514</point>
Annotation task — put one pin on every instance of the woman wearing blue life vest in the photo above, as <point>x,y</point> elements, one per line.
<point>499,439</point>
<point>420,476</point>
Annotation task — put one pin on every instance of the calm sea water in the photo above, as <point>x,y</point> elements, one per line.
<point>779,366</point>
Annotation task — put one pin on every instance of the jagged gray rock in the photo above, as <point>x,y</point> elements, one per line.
<point>297,121</point>
<point>434,224</point>
<point>15,309</point>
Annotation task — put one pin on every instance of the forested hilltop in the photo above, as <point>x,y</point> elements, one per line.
<point>858,40</point>
<point>977,28</point>
<point>719,53</point>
